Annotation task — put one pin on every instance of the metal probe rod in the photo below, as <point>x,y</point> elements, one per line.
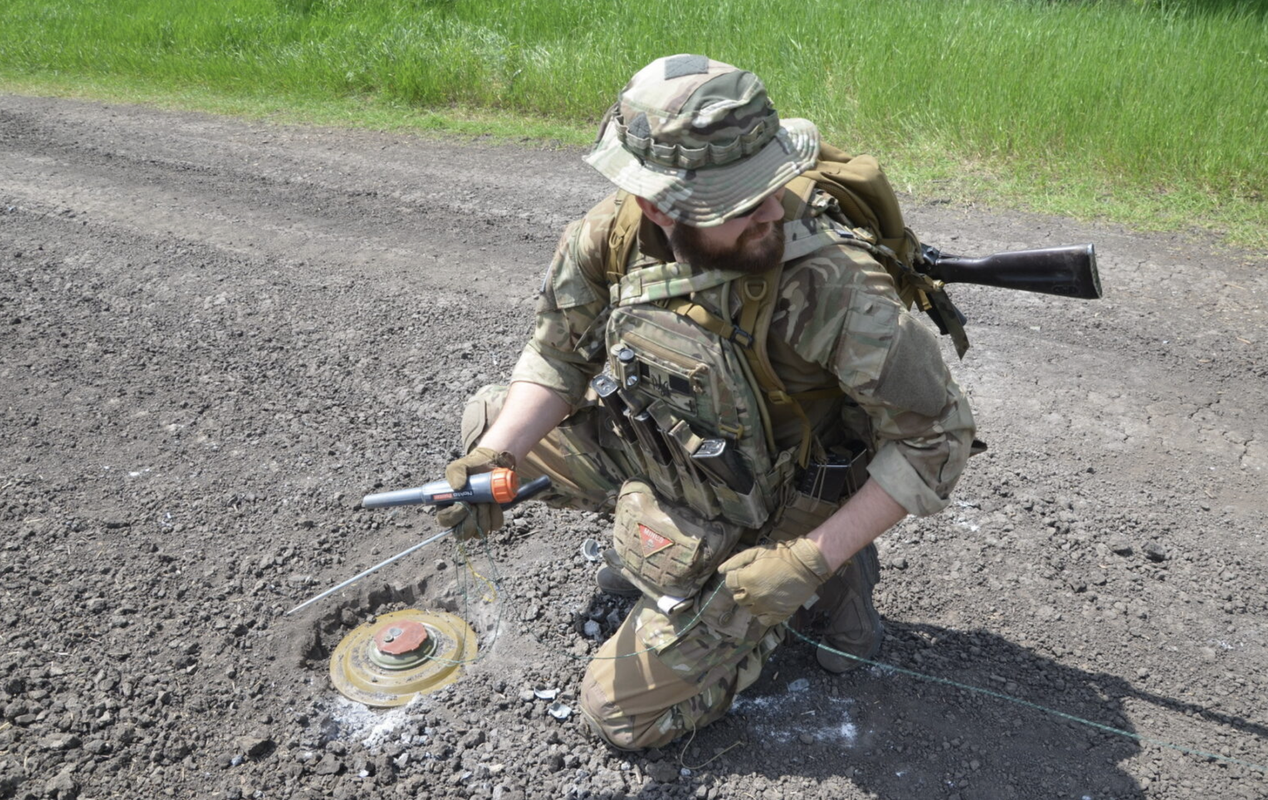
<point>412,496</point>
<point>361,575</point>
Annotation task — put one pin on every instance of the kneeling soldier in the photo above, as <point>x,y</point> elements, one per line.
<point>721,357</point>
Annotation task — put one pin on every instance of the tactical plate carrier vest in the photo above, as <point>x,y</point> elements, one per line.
<point>681,383</point>
<point>694,416</point>
<point>692,392</point>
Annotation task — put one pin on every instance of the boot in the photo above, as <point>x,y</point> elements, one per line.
<point>844,617</point>
<point>611,580</point>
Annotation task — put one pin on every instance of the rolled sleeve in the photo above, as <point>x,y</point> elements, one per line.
<point>565,379</point>
<point>919,473</point>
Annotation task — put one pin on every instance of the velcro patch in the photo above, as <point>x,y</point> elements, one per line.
<point>652,541</point>
<point>678,66</point>
<point>914,375</point>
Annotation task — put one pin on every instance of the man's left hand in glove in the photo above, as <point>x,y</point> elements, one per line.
<point>774,580</point>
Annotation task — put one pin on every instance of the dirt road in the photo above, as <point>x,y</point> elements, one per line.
<point>216,336</point>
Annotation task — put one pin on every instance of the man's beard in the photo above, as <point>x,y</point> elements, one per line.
<point>757,250</point>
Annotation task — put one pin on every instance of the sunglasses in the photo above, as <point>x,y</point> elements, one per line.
<point>778,194</point>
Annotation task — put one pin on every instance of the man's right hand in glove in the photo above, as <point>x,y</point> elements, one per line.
<point>469,521</point>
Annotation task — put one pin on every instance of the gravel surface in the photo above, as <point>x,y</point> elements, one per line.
<point>216,336</point>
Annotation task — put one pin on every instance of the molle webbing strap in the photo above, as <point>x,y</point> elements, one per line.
<point>623,235</point>
<point>709,321</point>
<point>757,298</point>
<point>828,393</point>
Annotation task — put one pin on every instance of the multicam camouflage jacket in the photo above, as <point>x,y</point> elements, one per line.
<point>838,322</point>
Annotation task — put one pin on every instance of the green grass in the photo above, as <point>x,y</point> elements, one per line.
<point>1148,112</point>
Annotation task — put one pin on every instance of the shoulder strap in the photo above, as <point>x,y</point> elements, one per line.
<point>623,235</point>
<point>757,298</point>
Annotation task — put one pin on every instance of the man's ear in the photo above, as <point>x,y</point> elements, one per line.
<point>654,214</point>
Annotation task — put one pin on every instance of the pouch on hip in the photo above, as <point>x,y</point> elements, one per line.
<point>668,550</point>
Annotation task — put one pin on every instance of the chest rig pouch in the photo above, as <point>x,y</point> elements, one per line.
<point>687,398</point>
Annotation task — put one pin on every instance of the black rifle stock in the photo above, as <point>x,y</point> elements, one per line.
<point>1064,271</point>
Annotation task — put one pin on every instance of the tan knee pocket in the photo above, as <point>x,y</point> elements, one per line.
<point>603,715</point>
<point>636,701</point>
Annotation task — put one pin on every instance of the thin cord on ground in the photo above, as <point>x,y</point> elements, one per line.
<point>1028,704</point>
<point>495,586</point>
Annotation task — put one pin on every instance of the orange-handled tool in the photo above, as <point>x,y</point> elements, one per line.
<point>499,486</point>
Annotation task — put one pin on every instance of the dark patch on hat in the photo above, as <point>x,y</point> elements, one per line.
<point>639,126</point>
<point>677,66</point>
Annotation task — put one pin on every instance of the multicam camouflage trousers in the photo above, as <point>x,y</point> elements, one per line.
<point>661,674</point>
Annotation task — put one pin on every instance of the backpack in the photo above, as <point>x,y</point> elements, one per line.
<point>866,202</point>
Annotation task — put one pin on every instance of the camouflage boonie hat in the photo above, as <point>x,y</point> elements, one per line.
<point>700,140</point>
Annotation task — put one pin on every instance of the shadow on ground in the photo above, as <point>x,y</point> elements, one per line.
<point>893,735</point>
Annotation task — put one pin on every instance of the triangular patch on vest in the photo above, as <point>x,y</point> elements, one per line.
<point>652,541</point>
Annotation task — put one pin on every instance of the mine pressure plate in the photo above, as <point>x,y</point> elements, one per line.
<point>400,655</point>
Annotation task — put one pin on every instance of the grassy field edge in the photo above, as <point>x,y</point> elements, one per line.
<point>925,173</point>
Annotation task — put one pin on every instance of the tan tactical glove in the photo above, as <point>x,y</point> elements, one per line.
<point>470,521</point>
<point>774,580</point>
